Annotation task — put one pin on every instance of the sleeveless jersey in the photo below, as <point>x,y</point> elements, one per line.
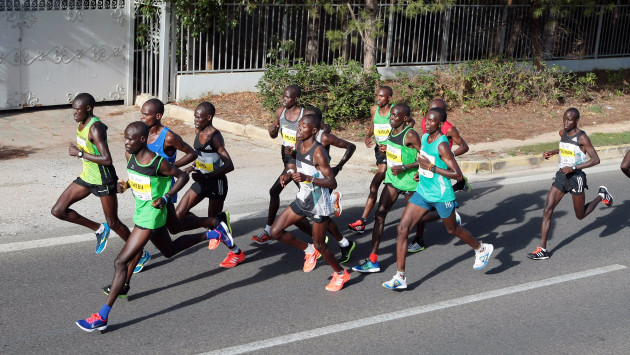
<point>434,187</point>
<point>288,129</point>
<point>158,146</point>
<point>382,126</point>
<point>399,154</point>
<point>208,160</point>
<point>147,186</point>
<point>445,127</point>
<point>569,150</point>
<point>93,173</point>
<point>311,198</point>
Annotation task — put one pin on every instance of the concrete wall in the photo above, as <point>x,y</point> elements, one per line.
<point>197,85</point>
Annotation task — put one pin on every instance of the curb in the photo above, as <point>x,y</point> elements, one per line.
<point>365,156</point>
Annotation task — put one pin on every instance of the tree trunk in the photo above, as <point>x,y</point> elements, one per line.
<point>312,37</point>
<point>369,35</point>
<point>536,27</point>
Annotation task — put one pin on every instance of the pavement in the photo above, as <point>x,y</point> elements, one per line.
<point>23,129</point>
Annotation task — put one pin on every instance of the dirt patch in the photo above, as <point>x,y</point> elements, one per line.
<point>8,152</point>
<point>476,125</point>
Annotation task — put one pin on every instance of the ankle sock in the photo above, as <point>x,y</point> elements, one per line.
<point>104,312</point>
<point>213,234</point>
<point>344,242</point>
<point>310,249</point>
<point>373,258</point>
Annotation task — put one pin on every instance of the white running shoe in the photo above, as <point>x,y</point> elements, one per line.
<point>396,283</point>
<point>482,256</point>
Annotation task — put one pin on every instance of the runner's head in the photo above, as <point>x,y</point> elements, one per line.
<point>384,96</point>
<point>152,112</point>
<point>291,96</point>
<point>437,103</point>
<point>83,106</point>
<point>136,135</point>
<point>401,114</point>
<point>204,113</point>
<point>308,127</point>
<point>313,111</point>
<point>435,117</point>
<point>570,119</point>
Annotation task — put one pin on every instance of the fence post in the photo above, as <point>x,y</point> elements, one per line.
<point>164,57</point>
<point>390,35</point>
<point>173,59</point>
<point>599,30</point>
<point>447,23</point>
<point>131,58</point>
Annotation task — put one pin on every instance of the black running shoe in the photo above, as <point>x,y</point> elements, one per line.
<point>607,198</point>
<point>122,294</point>
<point>539,254</point>
<point>345,252</point>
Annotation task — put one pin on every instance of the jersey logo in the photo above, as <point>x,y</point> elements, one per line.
<point>574,139</point>
<point>307,157</point>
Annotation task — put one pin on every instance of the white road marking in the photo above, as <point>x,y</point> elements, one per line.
<point>410,312</point>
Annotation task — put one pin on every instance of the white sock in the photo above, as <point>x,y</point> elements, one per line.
<point>344,242</point>
<point>235,249</point>
<point>268,229</point>
<point>101,229</point>
<point>480,248</point>
<point>310,249</point>
<point>401,274</point>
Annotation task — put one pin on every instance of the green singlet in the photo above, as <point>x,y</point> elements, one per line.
<point>147,186</point>
<point>399,154</point>
<point>93,173</point>
<point>382,126</point>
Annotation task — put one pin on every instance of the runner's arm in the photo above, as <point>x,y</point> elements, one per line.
<point>320,160</point>
<point>462,146</point>
<point>174,140</point>
<point>98,136</point>
<point>181,178</point>
<point>331,139</point>
<point>274,127</point>
<point>625,164</point>
<point>452,172</point>
<point>219,145</point>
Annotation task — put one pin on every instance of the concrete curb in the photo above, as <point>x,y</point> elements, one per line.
<point>365,156</point>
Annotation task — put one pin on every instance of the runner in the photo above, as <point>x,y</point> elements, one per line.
<point>401,146</point>
<point>209,173</point>
<point>150,178</point>
<point>98,176</point>
<point>286,123</point>
<point>315,178</point>
<point>625,164</point>
<point>574,146</point>
<point>437,167</point>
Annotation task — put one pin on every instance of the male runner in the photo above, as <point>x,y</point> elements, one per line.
<point>286,123</point>
<point>625,164</point>
<point>98,176</point>
<point>574,146</point>
<point>401,146</point>
<point>437,167</point>
<point>315,178</point>
<point>150,178</point>
<point>210,169</point>
<point>380,130</point>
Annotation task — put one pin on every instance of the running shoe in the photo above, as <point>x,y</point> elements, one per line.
<point>233,259</point>
<point>396,283</point>
<point>225,218</point>
<point>539,254</point>
<point>338,281</point>
<point>101,239</point>
<point>310,260</point>
<point>415,246</point>
<point>367,266</point>
<point>224,236</point>
<point>357,226</point>
<point>123,293</point>
<point>262,238</point>
<point>143,260</point>
<point>345,252</point>
<point>607,198</point>
<point>335,200</point>
<point>94,322</point>
<point>482,257</point>
<point>462,185</point>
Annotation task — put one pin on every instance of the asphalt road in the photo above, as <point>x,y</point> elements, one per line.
<point>575,303</point>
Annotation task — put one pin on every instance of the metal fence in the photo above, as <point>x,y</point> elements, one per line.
<point>459,33</point>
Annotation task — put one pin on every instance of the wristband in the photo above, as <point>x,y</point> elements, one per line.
<point>165,199</point>
<point>312,178</point>
<point>290,171</point>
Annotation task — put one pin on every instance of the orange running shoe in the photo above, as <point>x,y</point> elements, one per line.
<point>310,260</point>
<point>262,238</point>
<point>338,281</point>
<point>335,198</point>
<point>233,259</point>
<point>357,226</point>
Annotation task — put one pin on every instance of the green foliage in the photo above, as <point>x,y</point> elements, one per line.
<point>495,82</point>
<point>343,91</point>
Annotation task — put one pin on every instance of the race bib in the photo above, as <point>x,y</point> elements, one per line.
<point>289,137</point>
<point>81,144</point>
<point>205,167</point>
<point>394,156</point>
<point>141,186</point>
<point>424,172</point>
<point>381,131</point>
<point>566,155</point>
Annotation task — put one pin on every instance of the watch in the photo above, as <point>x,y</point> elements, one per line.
<point>80,154</point>
<point>574,167</point>
<point>404,168</point>
<point>432,168</point>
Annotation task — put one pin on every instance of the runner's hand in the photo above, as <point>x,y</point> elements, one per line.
<point>416,177</point>
<point>158,203</point>
<point>368,142</point>
<point>73,150</point>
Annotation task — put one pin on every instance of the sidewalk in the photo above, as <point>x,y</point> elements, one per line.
<point>468,163</point>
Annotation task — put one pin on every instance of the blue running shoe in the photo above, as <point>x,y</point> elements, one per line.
<point>101,239</point>
<point>94,322</point>
<point>225,218</point>
<point>367,266</point>
<point>143,260</point>
<point>224,236</point>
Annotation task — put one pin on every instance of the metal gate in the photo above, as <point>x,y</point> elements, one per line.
<point>50,50</point>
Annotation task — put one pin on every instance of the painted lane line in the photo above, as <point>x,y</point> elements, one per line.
<point>309,334</point>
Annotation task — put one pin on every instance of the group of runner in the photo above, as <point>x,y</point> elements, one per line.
<point>419,167</point>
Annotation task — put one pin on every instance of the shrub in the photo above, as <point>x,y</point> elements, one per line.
<point>343,91</point>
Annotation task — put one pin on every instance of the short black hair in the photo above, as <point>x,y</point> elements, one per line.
<point>404,107</point>
<point>207,107</point>
<point>157,104</point>
<point>438,101</point>
<point>85,99</point>
<point>389,89</point>
<point>313,119</point>
<point>296,89</point>
<point>440,112</point>
<point>574,111</point>
<point>138,127</point>
<point>315,111</point>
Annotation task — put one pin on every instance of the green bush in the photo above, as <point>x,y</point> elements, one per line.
<point>343,91</point>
